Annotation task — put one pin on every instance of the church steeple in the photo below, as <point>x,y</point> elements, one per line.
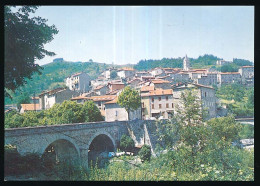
<point>186,63</point>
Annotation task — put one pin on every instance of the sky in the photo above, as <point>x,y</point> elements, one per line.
<point>128,34</point>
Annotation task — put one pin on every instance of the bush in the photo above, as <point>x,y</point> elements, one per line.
<point>126,143</point>
<point>145,153</point>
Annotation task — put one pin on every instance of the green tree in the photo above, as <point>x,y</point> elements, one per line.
<point>23,99</point>
<point>13,119</point>
<point>145,153</point>
<point>25,37</point>
<point>91,112</point>
<point>129,99</point>
<point>126,143</point>
<point>113,74</point>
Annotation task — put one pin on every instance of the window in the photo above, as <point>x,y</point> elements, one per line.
<point>160,105</point>
<point>160,98</point>
<point>166,98</point>
<point>205,94</point>
<point>116,112</point>
<point>99,103</point>
<point>172,105</point>
<point>152,99</point>
<point>152,106</point>
<point>167,105</point>
<point>143,104</point>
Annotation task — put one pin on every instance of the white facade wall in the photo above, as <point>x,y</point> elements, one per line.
<point>116,113</point>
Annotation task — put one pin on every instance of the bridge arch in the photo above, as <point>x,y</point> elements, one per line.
<point>54,138</point>
<point>98,147</point>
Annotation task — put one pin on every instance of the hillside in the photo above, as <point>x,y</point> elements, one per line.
<point>53,75</point>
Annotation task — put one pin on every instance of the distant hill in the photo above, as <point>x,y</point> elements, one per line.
<point>204,61</point>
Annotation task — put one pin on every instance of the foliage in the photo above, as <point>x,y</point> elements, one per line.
<point>129,99</point>
<point>53,75</point>
<point>228,68</point>
<point>13,119</point>
<point>25,37</point>
<point>145,153</point>
<point>91,112</point>
<point>243,97</point>
<point>126,143</point>
<point>113,74</point>
<point>23,99</point>
<point>242,62</point>
<point>201,62</point>
<point>67,112</point>
<point>247,131</point>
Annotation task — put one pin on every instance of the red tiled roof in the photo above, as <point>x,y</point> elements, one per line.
<point>78,98</point>
<point>247,66</point>
<point>158,92</point>
<point>147,88</point>
<point>112,101</point>
<point>102,98</point>
<point>159,81</point>
<point>52,91</point>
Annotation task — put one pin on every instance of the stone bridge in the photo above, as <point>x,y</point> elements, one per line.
<point>77,140</point>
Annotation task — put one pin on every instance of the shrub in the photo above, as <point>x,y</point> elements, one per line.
<point>126,143</point>
<point>145,153</point>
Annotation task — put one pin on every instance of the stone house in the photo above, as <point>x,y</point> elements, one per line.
<point>157,103</point>
<point>209,79</point>
<point>247,74</point>
<point>206,94</point>
<point>223,62</point>
<point>100,101</point>
<point>163,84</point>
<point>48,98</point>
<point>126,73</point>
<point>142,73</point>
<point>229,77</point>
<point>115,112</point>
<point>134,82</point>
<point>180,77</point>
<point>30,107</point>
<point>79,82</point>
<point>115,86</point>
<point>101,90</point>
<point>157,72</point>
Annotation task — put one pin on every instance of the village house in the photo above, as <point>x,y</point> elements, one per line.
<point>157,83</point>
<point>126,73</point>
<point>79,82</point>
<point>223,62</point>
<point>49,98</point>
<point>100,101</point>
<point>209,79</point>
<point>142,73</point>
<point>146,89</point>
<point>30,107</point>
<point>157,103</point>
<point>229,77</point>
<point>157,72</point>
<point>114,112</point>
<point>206,95</point>
<point>134,82</point>
<point>115,86</point>
<point>247,74</point>
<point>180,77</point>
<point>101,90</point>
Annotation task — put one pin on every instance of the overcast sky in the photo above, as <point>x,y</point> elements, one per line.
<point>125,34</point>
